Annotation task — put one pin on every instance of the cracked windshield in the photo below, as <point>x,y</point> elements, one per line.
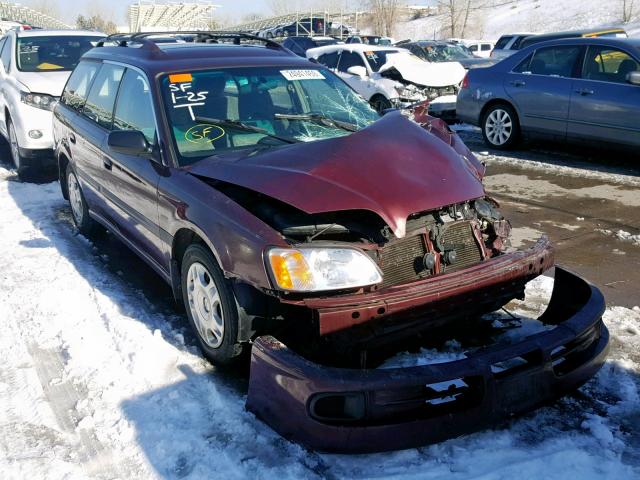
<point>219,111</point>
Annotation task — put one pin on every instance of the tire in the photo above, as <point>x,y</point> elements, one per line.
<point>269,35</point>
<point>500,127</point>
<point>211,306</point>
<point>79,209</point>
<point>380,103</point>
<point>14,147</point>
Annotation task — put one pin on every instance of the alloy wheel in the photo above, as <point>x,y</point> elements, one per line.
<point>75,198</point>
<point>205,305</point>
<point>15,149</point>
<point>499,127</point>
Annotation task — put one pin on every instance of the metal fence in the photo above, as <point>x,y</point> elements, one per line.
<point>19,13</point>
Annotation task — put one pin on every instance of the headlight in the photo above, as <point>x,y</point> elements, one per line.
<point>319,269</point>
<point>39,100</point>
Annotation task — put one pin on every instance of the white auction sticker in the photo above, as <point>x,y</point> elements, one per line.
<point>302,74</point>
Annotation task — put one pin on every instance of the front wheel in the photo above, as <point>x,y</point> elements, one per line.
<point>210,306</point>
<point>18,160</point>
<point>380,103</point>
<point>500,127</point>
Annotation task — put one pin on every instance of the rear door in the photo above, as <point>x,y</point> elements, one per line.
<point>540,87</point>
<point>604,106</point>
<point>92,128</point>
<point>133,180</point>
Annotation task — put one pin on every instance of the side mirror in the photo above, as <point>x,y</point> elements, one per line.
<point>633,78</point>
<point>358,71</point>
<point>129,142</point>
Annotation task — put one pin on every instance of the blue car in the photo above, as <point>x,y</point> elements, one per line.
<point>584,90</point>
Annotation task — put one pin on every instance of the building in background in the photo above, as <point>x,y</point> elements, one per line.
<point>151,16</point>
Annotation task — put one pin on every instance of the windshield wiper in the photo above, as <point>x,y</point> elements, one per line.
<point>319,119</point>
<point>243,126</point>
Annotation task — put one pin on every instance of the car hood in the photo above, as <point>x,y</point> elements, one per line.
<point>394,168</point>
<point>51,83</point>
<point>428,74</point>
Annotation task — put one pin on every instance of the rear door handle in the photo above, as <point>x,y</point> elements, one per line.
<point>518,83</point>
<point>584,91</point>
<point>72,138</point>
<point>107,163</point>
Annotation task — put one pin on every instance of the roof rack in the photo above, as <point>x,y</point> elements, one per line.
<point>200,36</point>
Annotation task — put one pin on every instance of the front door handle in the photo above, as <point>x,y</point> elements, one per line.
<point>518,83</point>
<point>72,138</point>
<point>107,163</point>
<point>584,91</point>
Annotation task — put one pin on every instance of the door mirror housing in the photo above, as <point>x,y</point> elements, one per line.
<point>358,71</point>
<point>633,78</point>
<point>129,142</point>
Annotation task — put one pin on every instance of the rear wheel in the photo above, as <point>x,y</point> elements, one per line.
<point>79,209</point>
<point>210,306</point>
<point>500,127</point>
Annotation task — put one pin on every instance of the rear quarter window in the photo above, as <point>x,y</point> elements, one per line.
<point>502,42</point>
<point>77,88</point>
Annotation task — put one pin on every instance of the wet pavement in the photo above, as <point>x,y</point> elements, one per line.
<point>586,202</point>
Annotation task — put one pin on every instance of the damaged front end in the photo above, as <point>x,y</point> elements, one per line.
<point>368,410</point>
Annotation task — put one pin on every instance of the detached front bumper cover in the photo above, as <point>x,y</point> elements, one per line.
<point>357,411</point>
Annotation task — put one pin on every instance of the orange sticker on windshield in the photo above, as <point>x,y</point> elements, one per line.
<point>180,77</point>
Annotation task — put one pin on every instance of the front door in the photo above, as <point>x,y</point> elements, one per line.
<point>604,106</point>
<point>540,88</point>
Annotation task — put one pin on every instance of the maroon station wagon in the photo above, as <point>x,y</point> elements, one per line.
<point>298,225</point>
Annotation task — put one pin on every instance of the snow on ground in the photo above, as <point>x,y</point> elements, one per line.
<point>98,382</point>
<point>622,235</point>
<point>528,16</point>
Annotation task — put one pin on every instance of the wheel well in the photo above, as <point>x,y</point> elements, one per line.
<point>181,241</point>
<point>63,161</point>
<point>491,103</point>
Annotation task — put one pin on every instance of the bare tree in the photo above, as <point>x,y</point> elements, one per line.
<point>385,14</point>
<point>458,14</point>
<point>628,10</point>
<point>96,23</point>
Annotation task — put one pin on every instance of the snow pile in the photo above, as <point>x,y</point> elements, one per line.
<point>622,235</point>
<point>97,381</point>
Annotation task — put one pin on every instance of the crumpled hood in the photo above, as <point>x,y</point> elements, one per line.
<point>51,82</point>
<point>393,168</point>
<point>429,74</point>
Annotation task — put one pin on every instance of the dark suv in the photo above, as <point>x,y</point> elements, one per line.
<point>275,201</point>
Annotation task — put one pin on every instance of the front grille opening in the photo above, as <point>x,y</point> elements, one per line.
<point>514,365</point>
<point>566,358</point>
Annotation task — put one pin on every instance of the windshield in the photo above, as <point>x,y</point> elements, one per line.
<point>224,110</point>
<point>59,52</point>
<point>445,53</point>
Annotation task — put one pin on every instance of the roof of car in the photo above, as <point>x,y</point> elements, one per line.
<point>173,57</point>
<point>58,33</point>
<point>355,47</point>
<point>580,33</point>
<point>610,41</point>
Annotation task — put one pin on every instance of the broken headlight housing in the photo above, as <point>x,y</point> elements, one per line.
<point>321,269</point>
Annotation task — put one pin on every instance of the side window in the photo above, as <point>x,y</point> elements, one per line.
<point>134,110</point>
<point>329,59</point>
<point>502,42</point>
<point>555,61</point>
<point>523,66</point>
<point>485,47</point>
<point>474,48</point>
<point>608,65</point>
<point>350,59</point>
<point>77,88</point>
<point>6,54</point>
<point>102,96</point>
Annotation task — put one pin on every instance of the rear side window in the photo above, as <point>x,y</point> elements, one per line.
<point>555,61</point>
<point>329,59</point>
<point>502,42</point>
<point>518,43</point>
<point>485,47</point>
<point>102,96</point>
<point>6,54</point>
<point>77,88</point>
<point>608,65</point>
<point>473,48</point>
<point>350,59</point>
<point>134,110</point>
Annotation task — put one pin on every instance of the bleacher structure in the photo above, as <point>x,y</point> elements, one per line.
<point>158,16</point>
<point>19,13</point>
<point>342,18</point>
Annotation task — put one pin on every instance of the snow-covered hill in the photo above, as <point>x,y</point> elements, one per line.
<point>529,16</point>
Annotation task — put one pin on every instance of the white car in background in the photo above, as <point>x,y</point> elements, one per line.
<point>393,77</point>
<point>34,68</point>
<point>480,48</point>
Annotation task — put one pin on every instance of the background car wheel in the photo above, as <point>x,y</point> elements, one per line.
<point>17,159</point>
<point>210,306</point>
<point>380,103</point>
<point>79,210</point>
<point>269,35</point>
<point>500,127</point>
